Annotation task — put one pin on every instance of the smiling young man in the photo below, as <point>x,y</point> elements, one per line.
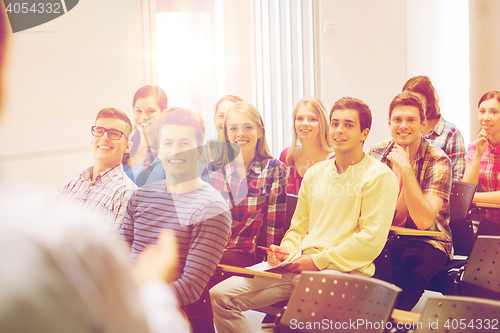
<point>104,187</point>
<point>438,130</point>
<point>425,176</point>
<point>342,219</point>
<point>183,203</point>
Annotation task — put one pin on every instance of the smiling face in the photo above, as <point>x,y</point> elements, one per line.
<point>306,124</point>
<point>345,132</point>
<point>144,110</point>
<point>220,114</point>
<point>243,131</point>
<point>489,116</point>
<point>406,126</point>
<point>109,153</point>
<point>179,152</point>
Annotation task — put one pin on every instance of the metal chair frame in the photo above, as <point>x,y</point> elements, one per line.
<point>459,314</point>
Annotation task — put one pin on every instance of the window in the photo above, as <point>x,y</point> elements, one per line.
<point>284,66</point>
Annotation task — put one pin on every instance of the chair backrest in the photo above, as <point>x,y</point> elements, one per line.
<point>291,204</point>
<point>333,301</point>
<point>482,273</point>
<point>461,227</point>
<point>459,314</point>
<point>460,199</point>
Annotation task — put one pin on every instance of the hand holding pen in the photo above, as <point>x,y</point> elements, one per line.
<point>276,254</point>
<point>271,250</point>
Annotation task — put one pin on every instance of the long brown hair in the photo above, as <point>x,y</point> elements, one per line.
<point>423,85</point>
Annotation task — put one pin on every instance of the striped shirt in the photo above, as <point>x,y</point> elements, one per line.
<point>432,169</point>
<point>200,220</point>
<point>257,202</point>
<point>446,136</point>
<point>108,194</point>
<point>489,174</point>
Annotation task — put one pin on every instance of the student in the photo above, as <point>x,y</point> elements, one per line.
<point>183,203</point>
<point>309,141</point>
<point>438,131</point>
<point>213,146</point>
<point>425,176</point>
<point>342,220</point>
<point>254,186</point>
<point>104,187</point>
<point>142,164</point>
<point>483,160</point>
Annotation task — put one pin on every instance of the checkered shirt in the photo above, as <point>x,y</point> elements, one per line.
<point>108,194</point>
<point>446,136</point>
<point>489,174</point>
<point>257,202</point>
<point>432,169</point>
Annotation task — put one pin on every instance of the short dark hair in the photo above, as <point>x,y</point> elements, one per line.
<point>407,98</point>
<point>489,95</point>
<point>182,117</point>
<point>423,85</point>
<point>152,91</point>
<point>364,112</point>
<point>118,114</point>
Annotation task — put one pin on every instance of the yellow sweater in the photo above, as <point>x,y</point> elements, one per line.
<point>343,220</point>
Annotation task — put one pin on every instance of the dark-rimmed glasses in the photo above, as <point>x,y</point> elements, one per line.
<point>113,134</point>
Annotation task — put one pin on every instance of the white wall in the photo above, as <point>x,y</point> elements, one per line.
<point>485,48</point>
<point>58,76</point>
<point>364,56</point>
<point>438,46</point>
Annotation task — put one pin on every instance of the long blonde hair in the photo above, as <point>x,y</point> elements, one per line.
<point>261,150</point>
<point>315,105</point>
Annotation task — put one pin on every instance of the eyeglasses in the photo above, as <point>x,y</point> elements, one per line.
<point>113,134</point>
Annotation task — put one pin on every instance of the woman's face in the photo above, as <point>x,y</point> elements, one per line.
<point>220,114</point>
<point>489,116</point>
<point>243,131</point>
<point>306,124</point>
<point>145,109</point>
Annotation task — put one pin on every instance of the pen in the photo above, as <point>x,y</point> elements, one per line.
<point>268,249</point>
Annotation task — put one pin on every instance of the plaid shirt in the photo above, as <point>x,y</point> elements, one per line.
<point>489,174</point>
<point>433,171</point>
<point>108,194</point>
<point>446,136</point>
<point>257,202</point>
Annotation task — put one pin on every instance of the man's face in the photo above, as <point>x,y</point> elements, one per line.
<point>106,151</point>
<point>405,125</point>
<point>345,131</point>
<point>179,151</point>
